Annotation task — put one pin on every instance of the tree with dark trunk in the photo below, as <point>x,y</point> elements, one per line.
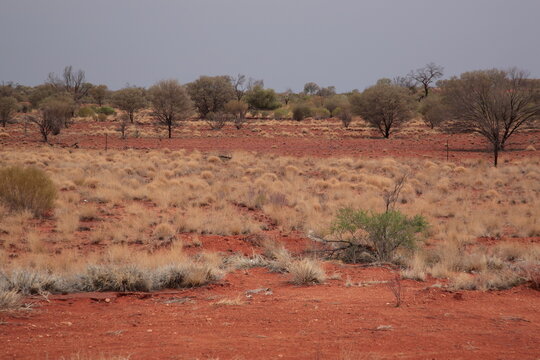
<point>130,99</point>
<point>52,115</point>
<point>170,103</point>
<point>72,82</point>
<point>8,107</point>
<point>384,106</point>
<point>211,93</point>
<point>493,103</point>
<point>426,76</point>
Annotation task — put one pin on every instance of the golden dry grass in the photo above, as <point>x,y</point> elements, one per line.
<point>149,198</point>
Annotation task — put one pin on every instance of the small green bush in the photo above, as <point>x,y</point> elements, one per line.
<point>321,113</point>
<point>26,189</point>
<point>107,110</point>
<point>301,111</point>
<point>377,234</point>
<point>86,111</point>
<point>281,114</point>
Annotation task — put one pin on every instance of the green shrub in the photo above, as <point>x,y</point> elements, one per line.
<point>301,111</point>
<point>107,110</point>
<point>26,189</point>
<point>321,113</point>
<point>86,111</point>
<point>364,234</point>
<point>281,114</point>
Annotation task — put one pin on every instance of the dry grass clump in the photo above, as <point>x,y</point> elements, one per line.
<point>30,282</point>
<point>113,278</point>
<point>221,219</point>
<point>26,189</point>
<point>306,272</point>
<point>486,280</point>
<point>164,232</point>
<point>10,300</point>
<point>120,269</point>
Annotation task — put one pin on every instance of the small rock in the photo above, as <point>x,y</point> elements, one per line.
<point>384,328</point>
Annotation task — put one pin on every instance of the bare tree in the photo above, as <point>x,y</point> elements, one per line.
<point>493,103</point>
<point>217,121</point>
<point>72,82</point>
<point>238,83</point>
<point>384,106</point>
<point>426,76</point>
<point>8,107</point>
<point>170,103</point>
<point>407,82</point>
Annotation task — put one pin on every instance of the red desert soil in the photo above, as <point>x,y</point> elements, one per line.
<point>328,321</point>
<point>352,142</point>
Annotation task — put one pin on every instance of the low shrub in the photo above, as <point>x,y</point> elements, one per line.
<point>362,235</point>
<point>321,113</point>
<point>114,278</point>
<point>301,111</point>
<point>30,282</point>
<point>26,189</point>
<point>281,114</point>
<point>9,299</point>
<point>306,272</point>
<point>106,110</point>
<point>86,111</point>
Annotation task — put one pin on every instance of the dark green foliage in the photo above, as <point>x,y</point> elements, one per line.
<point>86,111</point>
<point>106,110</point>
<point>301,111</point>
<point>26,189</point>
<point>262,99</point>
<point>378,234</point>
<point>384,106</point>
<point>211,93</point>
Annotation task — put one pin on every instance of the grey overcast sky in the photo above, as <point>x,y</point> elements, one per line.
<point>346,43</point>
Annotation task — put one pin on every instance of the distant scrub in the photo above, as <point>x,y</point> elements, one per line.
<point>26,189</point>
<point>106,110</point>
<point>301,111</point>
<point>86,111</point>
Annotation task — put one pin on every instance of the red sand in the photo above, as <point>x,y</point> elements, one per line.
<point>327,321</point>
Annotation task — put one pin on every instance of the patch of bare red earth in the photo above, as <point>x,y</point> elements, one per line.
<point>348,143</point>
<point>328,321</point>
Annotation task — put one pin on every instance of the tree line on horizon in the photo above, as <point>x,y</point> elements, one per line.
<point>493,103</point>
